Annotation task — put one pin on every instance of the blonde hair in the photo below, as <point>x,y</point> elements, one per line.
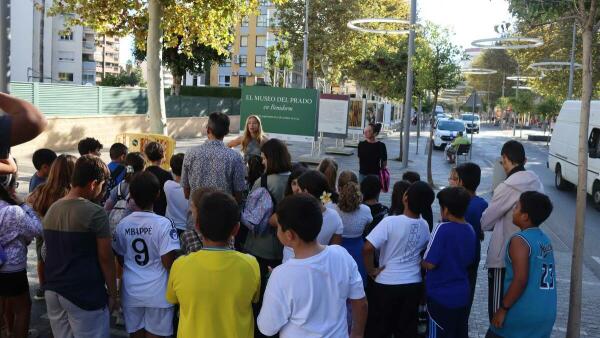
<point>346,177</point>
<point>350,197</point>
<point>329,168</point>
<point>248,135</point>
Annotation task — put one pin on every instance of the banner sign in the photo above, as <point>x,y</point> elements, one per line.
<point>333,115</point>
<point>286,113</point>
<point>356,116</point>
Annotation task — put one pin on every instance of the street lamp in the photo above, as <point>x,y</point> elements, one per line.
<point>4,45</point>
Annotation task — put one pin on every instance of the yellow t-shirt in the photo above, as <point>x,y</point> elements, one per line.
<point>215,291</point>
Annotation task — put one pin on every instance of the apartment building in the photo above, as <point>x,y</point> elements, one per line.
<point>43,50</point>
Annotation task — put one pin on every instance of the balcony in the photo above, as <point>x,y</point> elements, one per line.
<point>89,66</point>
<point>88,47</point>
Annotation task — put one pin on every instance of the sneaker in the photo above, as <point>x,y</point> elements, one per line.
<point>39,294</point>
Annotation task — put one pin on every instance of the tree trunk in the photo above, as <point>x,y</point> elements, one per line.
<point>574,322</point>
<point>430,143</point>
<point>176,87</point>
<point>156,95</point>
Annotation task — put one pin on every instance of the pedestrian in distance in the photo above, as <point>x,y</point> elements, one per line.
<point>498,216</point>
<point>449,254</point>
<point>372,153</point>
<point>307,295</point>
<point>215,286</point>
<point>252,139</point>
<point>528,307</point>
<point>145,245</point>
<point>155,154</point>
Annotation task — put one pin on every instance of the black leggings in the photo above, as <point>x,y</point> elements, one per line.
<point>263,265</point>
<point>393,309</point>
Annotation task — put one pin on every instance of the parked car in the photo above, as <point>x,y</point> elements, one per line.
<point>472,122</point>
<point>563,153</point>
<point>446,131</point>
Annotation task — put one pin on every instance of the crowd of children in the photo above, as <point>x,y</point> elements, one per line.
<point>331,261</point>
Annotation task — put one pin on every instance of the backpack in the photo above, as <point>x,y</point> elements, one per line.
<point>112,182</point>
<point>377,217</point>
<point>259,207</point>
<point>3,257</point>
<point>119,211</point>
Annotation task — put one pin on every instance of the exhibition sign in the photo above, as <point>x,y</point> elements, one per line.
<point>356,116</point>
<point>333,115</point>
<point>286,113</point>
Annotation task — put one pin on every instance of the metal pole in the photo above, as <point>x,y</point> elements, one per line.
<point>517,95</point>
<point>419,114</point>
<point>409,83</point>
<point>305,52</point>
<point>473,124</point>
<point>572,66</point>
<point>4,45</point>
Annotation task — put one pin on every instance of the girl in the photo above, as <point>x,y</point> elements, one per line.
<point>372,154</point>
<point>252,139</point>
<point>329,168</point>
<point>397,207</point>
<point>292,186</point>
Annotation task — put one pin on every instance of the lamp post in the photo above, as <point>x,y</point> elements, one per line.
<point>4,45</point>
<point>409,83</point>
<point>305,51</point>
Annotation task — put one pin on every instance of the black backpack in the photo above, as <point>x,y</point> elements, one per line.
<point>112,182</point>
<point>379,214</point>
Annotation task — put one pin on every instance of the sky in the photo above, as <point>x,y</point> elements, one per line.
<point>468,19</point>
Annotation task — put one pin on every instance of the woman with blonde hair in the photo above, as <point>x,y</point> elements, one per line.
<point>252,139</point>
<point>43,196</point>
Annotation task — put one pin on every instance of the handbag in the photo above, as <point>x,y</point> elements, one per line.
<point>384,177</point>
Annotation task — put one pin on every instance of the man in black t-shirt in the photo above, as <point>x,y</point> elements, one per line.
<point>155,153</point>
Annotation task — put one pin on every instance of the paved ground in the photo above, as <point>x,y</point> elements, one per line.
<point>485,151</point>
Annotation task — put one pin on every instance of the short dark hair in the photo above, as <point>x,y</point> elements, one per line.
<point>314,182</point>
<point>302,214</point>
<point>176,163</point>
<point>411,176</point>
<point>514,151</point>
<point>278,157</point>
<point>88,145</point>
<point>420,197</point>
<point>43,156</point>
<point>117,150</point>
<point>297,170</point>
<point>370,187</point>
<point>400,187</point>
<point>89,168</point>
<point>218,123</point>
<point>154,151</point>
<point>455,199</point>
<point>470,175</point>
<point>536,205</point>
<point>144,189</point>
<point>218,214</point>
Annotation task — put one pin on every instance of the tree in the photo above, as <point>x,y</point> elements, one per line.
<point>179,63</point>
<point>383,72</point>
<point>499,60</point>
<point>197,22</point>
<point>587,14</point>
<point>436,67</point>
<point>279,64</point>
<point>548,108</point>
<point>522,105</point>
<point>129,77</point>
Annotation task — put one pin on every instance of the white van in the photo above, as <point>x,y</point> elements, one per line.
<point>563,153</point>
<point>472,122</point>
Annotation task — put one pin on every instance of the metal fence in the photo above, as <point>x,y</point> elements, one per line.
<point>69,100</point>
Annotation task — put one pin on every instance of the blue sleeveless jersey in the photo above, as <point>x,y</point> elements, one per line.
<point>534,313</point>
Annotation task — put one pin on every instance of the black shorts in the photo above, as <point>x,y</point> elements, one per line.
<point>13,283</point>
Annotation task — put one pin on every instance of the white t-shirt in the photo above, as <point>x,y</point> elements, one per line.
<point>332,225</point>
<point>307,297</point>
<point>177,205</point>
<point>142,238</point>
<point>400,241</point>
<point>355,221</point>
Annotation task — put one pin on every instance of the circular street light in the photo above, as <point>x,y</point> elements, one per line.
<point>553,65</point>
<point>521,78</point>
<point>522,87</point>
<point>478,71</point>
<point>507,43</point>
<point>354,25</point>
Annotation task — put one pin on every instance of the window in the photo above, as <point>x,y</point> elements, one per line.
<point>224,80</point>
<point>273,19</point>
<point>262,20</point>
<point>66,56</point>
<point>67,77</point>
<point>260,80</point>
<point>88,78</point>
<point>227,62</point>
<point>260,61</point>
<point>245,21</point>
<point>594,143</point>
<point>242,80</point>
<point>66,36</point>
<point>244,41</point>
<point>261,41</point>
<point>243,60</point>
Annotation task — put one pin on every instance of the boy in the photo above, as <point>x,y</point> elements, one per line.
<point>155,153</point>
<point>42,161</point>
<point>177,204</point>
<point>145,245</point>
<point>216,286</point>
<point>528,307</point>
<point>89,146</point>
<point>450,253</point>
<point>118,152</point>
<point>468,176</point>
<point>306,296</point>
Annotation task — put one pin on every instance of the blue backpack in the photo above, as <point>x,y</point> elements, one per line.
<point>3,257</point>
<point>259,207</point>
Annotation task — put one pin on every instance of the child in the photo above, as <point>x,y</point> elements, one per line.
<point>292,186</point>
<point>89,146</point>
<point>134,163</point>
<point>216,286</point>
<point>528,307</point>
<point>118,152</point>
<point>155,153</point>
<point>370,188</point>
<point>42,161</point>
<point>397,206</point>
<point>306,296</point>
<point>397,288</point>
<point>177,204</point>
<point>329,168</point>
<point>145,245</point>
<point>468,176</point>
<point>449,254</point>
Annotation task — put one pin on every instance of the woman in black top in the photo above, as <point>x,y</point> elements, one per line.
<point>372,154</point>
